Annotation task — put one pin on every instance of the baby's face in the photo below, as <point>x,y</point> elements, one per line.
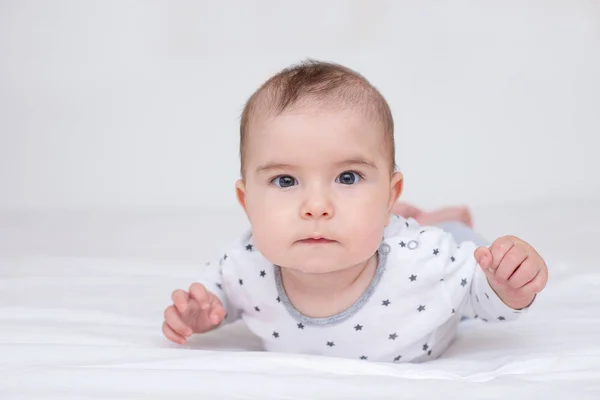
<point>318,189</point>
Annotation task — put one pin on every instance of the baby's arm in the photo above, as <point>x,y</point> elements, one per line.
<point>475,297</point>
<point>200,309</point>
<point>474,291</point>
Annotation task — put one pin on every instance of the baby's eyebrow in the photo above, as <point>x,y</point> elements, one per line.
<point>348,162</point>
<point>271,166</point>
<point>357,161</point>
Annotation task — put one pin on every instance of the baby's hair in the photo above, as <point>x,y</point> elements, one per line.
<point>323,83</point>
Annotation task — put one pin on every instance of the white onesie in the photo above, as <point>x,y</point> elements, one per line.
<point>423,284</point>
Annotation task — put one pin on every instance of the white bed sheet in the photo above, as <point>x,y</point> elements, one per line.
<point>82,296</point>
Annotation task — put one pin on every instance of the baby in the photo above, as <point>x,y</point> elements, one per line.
<point>327,268</point>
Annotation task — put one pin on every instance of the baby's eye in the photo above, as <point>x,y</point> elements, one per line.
<point>284,181</point>
<point>348,178</point>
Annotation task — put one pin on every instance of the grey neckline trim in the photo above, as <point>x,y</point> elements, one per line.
<point>383,251</point>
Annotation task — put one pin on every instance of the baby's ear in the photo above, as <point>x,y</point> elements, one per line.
<point>240,192</point>
<point>396,186</point>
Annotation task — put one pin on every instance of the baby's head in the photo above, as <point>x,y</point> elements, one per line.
<point>317,162</point>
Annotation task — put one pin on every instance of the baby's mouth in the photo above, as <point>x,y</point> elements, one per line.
<point>316,240</point>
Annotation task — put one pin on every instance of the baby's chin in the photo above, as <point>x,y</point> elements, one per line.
<point>320,265</point>
<point>314,268</point>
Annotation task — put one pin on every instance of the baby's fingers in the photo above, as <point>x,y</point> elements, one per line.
<point>180,299</point>
<point>537,284</point>
<point>483,256</point>
<point>198,292</point>
<point>217,311</point>
<point>174,321</point>
<point>511,262</point>
<point>172,335</point>
<point>524,274</point>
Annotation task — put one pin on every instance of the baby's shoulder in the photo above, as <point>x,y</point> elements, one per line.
<point>406,240</point>
<point>408,233</point>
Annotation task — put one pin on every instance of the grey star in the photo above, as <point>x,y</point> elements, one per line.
<point>501,318</point>
<point>219,286</point>
<point>263,273</point>
<point>358,327</point>
<point>300,325</point>
<point>241,282</point>
<point>330,344</point>
<point>486,295</point>
<point>393,336</point>
<point>249,247</point>
<point>278,299</point>
<point>275,334</point>
<point>402,244</point>
<point>386,303</point>
<point>421,308</point>
<point>257,309</point>
<point>425,347</point>
<point>452,259</point>
<point>363,357</point>
<point>413,278</point>
<point>397,358</point>
<point>436,252</point>
<point>463,282</point>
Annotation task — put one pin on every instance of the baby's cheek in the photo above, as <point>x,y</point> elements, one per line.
<point>270,238</point>
<point>267,216</point>
<point>267,245</point>
<point>364,234</point>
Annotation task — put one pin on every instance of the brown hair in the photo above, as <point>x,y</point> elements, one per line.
<point>318,81</point>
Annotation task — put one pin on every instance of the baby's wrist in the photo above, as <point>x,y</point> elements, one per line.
<point>516,301</point>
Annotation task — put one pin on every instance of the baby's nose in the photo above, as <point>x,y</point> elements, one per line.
<point>324,214</point>
<point>317,207</point>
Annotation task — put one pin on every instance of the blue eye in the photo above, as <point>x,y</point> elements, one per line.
<point>284,181</point>
<point>348,178</point>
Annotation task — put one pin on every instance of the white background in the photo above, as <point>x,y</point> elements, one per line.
<point>135,104</point>
<point>124,116</point>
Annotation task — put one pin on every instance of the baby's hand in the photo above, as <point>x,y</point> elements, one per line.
<point>196,311</point>
<point>514,269</point>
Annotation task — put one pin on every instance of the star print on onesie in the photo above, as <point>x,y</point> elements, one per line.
<point>423,285</point>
